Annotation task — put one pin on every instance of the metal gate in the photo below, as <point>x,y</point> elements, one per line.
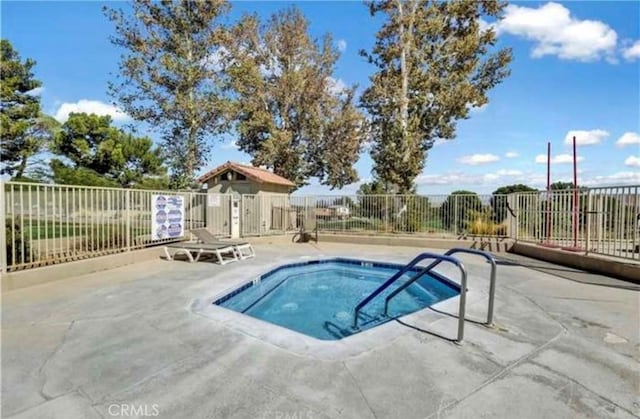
<point>268,214</point>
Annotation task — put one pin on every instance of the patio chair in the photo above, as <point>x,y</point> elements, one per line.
<point>193,251</point>
<point>243,249</point>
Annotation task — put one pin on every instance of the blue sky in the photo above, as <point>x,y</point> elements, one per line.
<point>576,70</point>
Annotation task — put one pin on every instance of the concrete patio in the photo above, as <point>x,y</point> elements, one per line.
<point>126,341</point>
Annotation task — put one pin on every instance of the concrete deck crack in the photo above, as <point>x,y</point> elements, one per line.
<point>41,370</point>
<point>500,374</point>
<point>574,381</point>
<point>47,400</point>
<point>564,330</point>
<point>526,358</point>
<point>355,381</point>
<point>597,300</point>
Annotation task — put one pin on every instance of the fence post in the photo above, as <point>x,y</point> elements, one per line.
<point>588,221</point>
<point>305,214</point>
<point>190,196</point>
<point>386,213</point>
<point>516,221</point>
<point>455,214</point>
<point>636,227</point>
<point>3,232</point>
<point>127,204</point>
<point>285,214</point>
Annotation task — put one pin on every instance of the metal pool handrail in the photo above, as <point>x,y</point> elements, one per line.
<point>492,281</point>
<point>405,269</point>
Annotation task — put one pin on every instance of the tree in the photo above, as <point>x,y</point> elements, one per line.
<point>169,78</point>
<point>65,175</point>
<point>372,206</point>
<point>561,186</point>
<point>103,155</point>
<point>499,199</point>
<point>433,63</point>
<point>413,213</point>
<point>291,115</point>
<point>23,128</point>
<point>456,210</point>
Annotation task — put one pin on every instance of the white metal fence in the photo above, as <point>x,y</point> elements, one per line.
<point>444,215</point>
<point>602,220</point>
<point>46,224</point>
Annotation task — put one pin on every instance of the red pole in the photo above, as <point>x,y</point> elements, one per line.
<point>575,195</point>
<point>576,202</point>
<point>548,192</point>
<point>549,204</point>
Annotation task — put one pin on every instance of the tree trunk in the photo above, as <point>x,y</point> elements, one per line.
<point>21,167</point>
<point>406,22</point>
<point>404,99</point>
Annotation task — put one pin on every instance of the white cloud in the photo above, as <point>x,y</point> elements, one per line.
<point>230,145</point>
<point>632,52</point>
<point>628,138</point>
<point>342,45</point>
<point>475,159</point>
<point>555,32</point>
<point>89,106</point>
<point>535,179</point>
<point>558,159</point>
<point>594,136</point>
<point>484,25</point>
<point>336,86</point>
<point>632,161</point>
<point>478,109</point>
<point>620,178</point>
<point>36,92</point>
<point>216,60</point>
<point>511,154</point>
<point>499,177</point>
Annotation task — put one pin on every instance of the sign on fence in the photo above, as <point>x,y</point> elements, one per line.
<point>167,217</point>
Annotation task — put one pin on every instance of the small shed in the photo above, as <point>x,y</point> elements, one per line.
<point>264,202</point>
<point>240,179</point>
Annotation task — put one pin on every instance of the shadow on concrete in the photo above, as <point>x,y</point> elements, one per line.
<point>444,313</point>
<point>564,272</point>
<point>504,262</point>
<point>428,332</point>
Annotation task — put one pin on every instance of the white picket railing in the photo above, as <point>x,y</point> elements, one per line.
<point>46,224</point>
<point>444,215</point>
<point>603,220</point>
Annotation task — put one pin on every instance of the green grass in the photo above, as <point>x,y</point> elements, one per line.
<point>350,224</point>
<point>38,229</point>
<point>431,225</point>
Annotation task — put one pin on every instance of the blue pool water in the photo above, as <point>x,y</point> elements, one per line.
<point>318,298</point>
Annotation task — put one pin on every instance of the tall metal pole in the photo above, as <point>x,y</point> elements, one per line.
<point>576,202</point>
<point>549,208</point>
<point>575,195</point>
<point>548,212</point>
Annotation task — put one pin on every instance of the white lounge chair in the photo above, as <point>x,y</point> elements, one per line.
<point>223,253</point>
<point>243,249</point>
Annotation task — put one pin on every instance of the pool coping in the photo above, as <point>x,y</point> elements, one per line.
<point>305,345</point>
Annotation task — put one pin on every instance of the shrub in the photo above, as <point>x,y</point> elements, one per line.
<point>415,212</point>
<point>20,242</point>
<point>456,211</point>
<point>481,223</point>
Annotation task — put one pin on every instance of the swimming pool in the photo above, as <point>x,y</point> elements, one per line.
<point>318,297</point>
